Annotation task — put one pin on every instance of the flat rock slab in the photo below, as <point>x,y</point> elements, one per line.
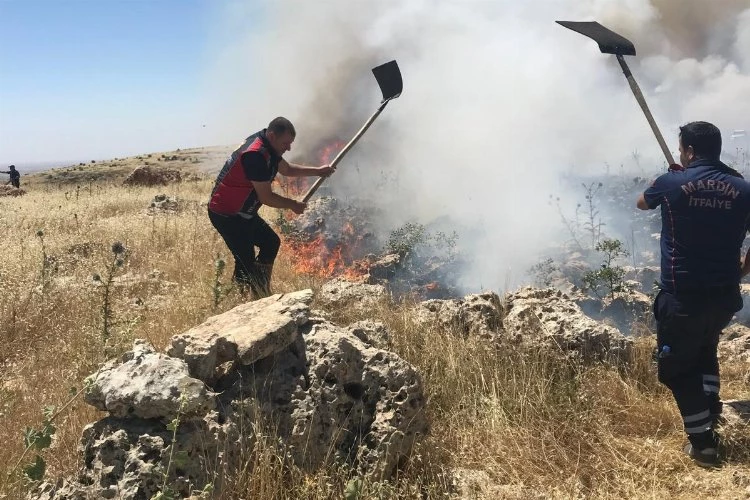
<point>147,384</point>
<point>245,334</point>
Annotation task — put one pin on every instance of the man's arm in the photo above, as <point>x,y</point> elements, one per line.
<point>268,197</point>
<point>293,170</point>
<point>641,203</point>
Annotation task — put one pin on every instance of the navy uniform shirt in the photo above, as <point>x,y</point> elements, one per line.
<point>704,213</point>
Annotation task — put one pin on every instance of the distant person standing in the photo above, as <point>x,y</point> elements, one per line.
<point>241,188</point>
<point>15,176</point>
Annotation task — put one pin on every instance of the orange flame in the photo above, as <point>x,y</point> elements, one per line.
<point>329,152</point>
<point>315,258</point>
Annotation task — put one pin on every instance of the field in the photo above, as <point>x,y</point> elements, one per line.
<point>505,423</point>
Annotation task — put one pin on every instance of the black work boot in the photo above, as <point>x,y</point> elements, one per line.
<point>704,449</point>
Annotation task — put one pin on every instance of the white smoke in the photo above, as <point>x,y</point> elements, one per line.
<point>498,101</point>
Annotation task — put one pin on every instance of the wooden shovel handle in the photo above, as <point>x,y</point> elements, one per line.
<point>346,149</point>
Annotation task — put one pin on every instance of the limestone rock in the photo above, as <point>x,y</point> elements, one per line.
<point>339,293</point>
<point>737,412</point>
<point>245,334</point>
<point>164,204</point>
<point>147,384</point>
<point>312,389</point>
<point>478,314</point>
<point>646,277</point>
<point>126,459</point>
<point>630,311</point>
<point>331,396</point>
<point>743,316</point>
<point>735,343</point>
<point>372,333</point>
<point>551,317</point>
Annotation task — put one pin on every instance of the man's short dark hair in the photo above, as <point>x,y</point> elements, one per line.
<point>12,167</point>
<point>704,137</point>
<point>280,126</point>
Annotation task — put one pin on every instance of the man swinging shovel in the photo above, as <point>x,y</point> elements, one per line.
<point>244,185</point>
<point>705,209</point>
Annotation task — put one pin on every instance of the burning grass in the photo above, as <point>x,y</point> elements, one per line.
<point>529,423</point>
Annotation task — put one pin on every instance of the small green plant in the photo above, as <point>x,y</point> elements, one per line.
<point>353,489</point>
<point>609,277</point>
<point>413,243</point>
<point>107,315</point>
<point>572,225</point>
<point>41,438</point>
<point>217,288</point>
<point>543,271</point>
<point>179,459</point>
<point>404,240</point>
<point>285,225</point>
<point>593,224</point>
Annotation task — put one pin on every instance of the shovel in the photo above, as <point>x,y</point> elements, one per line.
<point>389,79</point>
<point>612,43</point>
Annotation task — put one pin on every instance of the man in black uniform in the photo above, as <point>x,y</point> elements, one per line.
<point>704,211</point>
<point>242,187</point>
<point>15,176</point>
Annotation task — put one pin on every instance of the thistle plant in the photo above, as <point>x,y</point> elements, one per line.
<point>217,288</point>
<point>45,262</point>
<point>118,259</point>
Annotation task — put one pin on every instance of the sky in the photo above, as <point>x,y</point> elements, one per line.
<point>92,79</point>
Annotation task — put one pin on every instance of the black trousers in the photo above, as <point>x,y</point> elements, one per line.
<point>242,236</point>
<point>688,329</point>
<point>16,183</point>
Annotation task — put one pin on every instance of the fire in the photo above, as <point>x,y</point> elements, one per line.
<point>315,258</point>
<point>296,187</point>
<point>319,257</point>
<point>329,151</point>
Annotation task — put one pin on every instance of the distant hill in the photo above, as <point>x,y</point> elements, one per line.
<point>201,161</point>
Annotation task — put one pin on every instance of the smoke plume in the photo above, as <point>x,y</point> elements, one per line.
<point>498,102</point>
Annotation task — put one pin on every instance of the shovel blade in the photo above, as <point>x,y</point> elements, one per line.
<point>609,41</point>
<point>389,79</point>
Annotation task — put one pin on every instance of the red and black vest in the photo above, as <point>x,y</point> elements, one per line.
<point>233,192</point>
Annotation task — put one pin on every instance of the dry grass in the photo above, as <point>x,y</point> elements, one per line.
<point>535,423</point>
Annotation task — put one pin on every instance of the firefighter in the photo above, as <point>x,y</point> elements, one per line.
<point>241,188</point>
<point>704,214</point>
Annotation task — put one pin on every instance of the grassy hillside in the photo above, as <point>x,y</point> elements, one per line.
<point>520,423</point>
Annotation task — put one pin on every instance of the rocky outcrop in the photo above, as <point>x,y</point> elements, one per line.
<point>11,191</point>
<point>264,372</point>
<point>152,176</point>
<point>629,311</point>
<point>147,384</point>
<point>372,333</point>
<point>531,316</point>
<point>552,318</point>
<point>478,314</point>
<point>734,343</point>
<point>245,334</point>
<point>162,203</point>
<point>340,293</point>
